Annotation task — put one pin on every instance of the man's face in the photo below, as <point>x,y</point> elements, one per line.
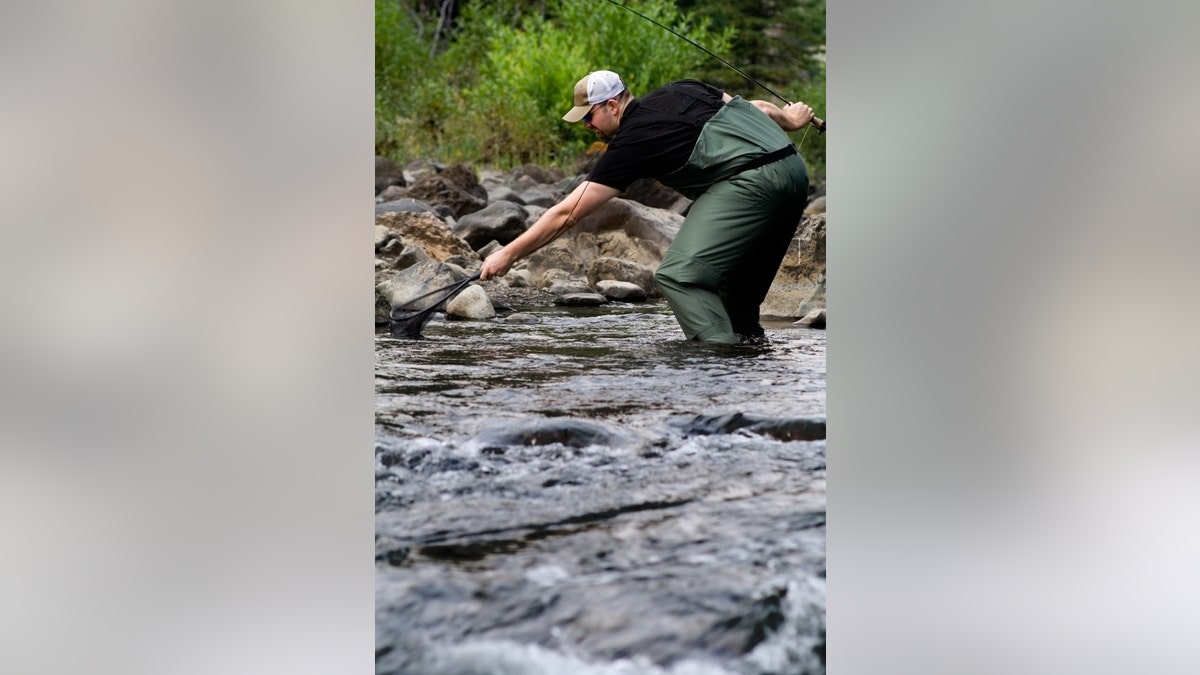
<point>602,119</point>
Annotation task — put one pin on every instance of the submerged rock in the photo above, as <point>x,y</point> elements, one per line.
<point>784,429</point>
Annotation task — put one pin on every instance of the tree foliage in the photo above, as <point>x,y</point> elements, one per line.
<point>488,82</point>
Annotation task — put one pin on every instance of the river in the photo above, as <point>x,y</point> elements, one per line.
<point>589,493</point>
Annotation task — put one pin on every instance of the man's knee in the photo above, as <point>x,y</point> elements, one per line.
<point>678,270</point>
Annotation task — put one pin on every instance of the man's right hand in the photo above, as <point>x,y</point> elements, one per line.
<point>495,265</point>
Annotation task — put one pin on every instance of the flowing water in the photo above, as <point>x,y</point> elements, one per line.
<point>591,494</point>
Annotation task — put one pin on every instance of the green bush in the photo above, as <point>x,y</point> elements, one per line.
<point>496,91</point>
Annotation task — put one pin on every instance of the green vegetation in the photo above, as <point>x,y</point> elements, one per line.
<point>487,82</point>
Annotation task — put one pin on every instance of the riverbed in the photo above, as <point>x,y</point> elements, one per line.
<point>580,490</point>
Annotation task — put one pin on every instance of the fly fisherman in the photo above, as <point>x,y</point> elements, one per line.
<point>730,156</point>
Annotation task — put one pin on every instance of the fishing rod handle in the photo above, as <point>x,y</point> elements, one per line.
<point>818,123</point>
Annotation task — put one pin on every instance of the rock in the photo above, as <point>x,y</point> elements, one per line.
<point>403,204</point>
<point>463,262</point>
<point>391,193</point>
<point>645,231</point>
<point>569,286</point>
<point>488,249</point>
<point>383,309</point>
<point>537,173</point>
<point>382,236</point>
<point>504,193</point>
<point>472,303</point>
<point>621,290</point>
<point>651,193</point>
<point>419,169</point>
<point>572,433</point>
<point>392,248</point>
<point>427,231</point>
<point>799,285</point>
<point>455,188</point>
<point>539,196</point>
<point>581,300</point>
<point>519,279</point>
<point>411,255</point>
<point>815,206</point>
<point>814,319</point>
<point>784,429</point>
<point>521,317</point>
<point>387,174</point>
<point>501,221</point>
<point>417,280</point>
<point>617,269</point>
<point>556,256</point>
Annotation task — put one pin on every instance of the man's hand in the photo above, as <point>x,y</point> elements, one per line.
<point>495,265</point>
<point>797,116</point>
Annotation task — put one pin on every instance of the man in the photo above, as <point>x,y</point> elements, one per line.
<point>730,156</point>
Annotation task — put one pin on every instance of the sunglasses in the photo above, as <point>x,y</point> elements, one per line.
<point>588,117</point>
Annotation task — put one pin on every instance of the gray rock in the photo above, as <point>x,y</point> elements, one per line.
<point>799,285</point>
<point>518,279</point>
<point>621,290</point>
<point>392,248</point>
<point>387,174</point>
<point>404,204</point>
<point>456,188</point>
<point>472,303</point>
<point>382,236</point>
<point>521,317</point>
<point>814,319</point>
<point>391,193</point>
<point>503,193</point>
<point>409,256</point>
<point>539,196</point>
<point>619,269</point>
<point>581,300</point>
<point>416,280</point>
<point>815,206</point>
<point>501,221</point>
<point>489,248</point>
<point>419,169</point>
<point>569,286</point>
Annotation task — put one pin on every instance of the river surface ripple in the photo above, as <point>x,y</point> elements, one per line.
<point>592,494</point>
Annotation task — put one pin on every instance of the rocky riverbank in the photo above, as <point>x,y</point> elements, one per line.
<point>434,224</point>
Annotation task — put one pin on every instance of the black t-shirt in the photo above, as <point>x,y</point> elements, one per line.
<point>657,133</point>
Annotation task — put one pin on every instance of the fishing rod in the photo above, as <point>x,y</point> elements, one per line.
<point>816,121</point>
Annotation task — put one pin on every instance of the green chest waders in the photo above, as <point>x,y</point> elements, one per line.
<point>749,189</point>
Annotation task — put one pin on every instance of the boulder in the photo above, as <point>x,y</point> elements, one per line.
<point>500,221</point>
<point>387,174</point>
<point>418,169</point>
<point>621,290</point>
<point>815,206</point>
<point>455,188</point>
<point>404,204</point>
<point>581,300</point>
<point>814,319</point>
<point>799,285</point>
<point>413,282</point>
<point>472,303</point>
<point>424,230</point>
<point>391,193</point>
<point>621,270</point>
<point>651,193</point>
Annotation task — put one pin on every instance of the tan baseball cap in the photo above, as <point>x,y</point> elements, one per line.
<point>597,87</point>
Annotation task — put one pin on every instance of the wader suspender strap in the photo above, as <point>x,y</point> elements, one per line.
<point>785,151</point>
